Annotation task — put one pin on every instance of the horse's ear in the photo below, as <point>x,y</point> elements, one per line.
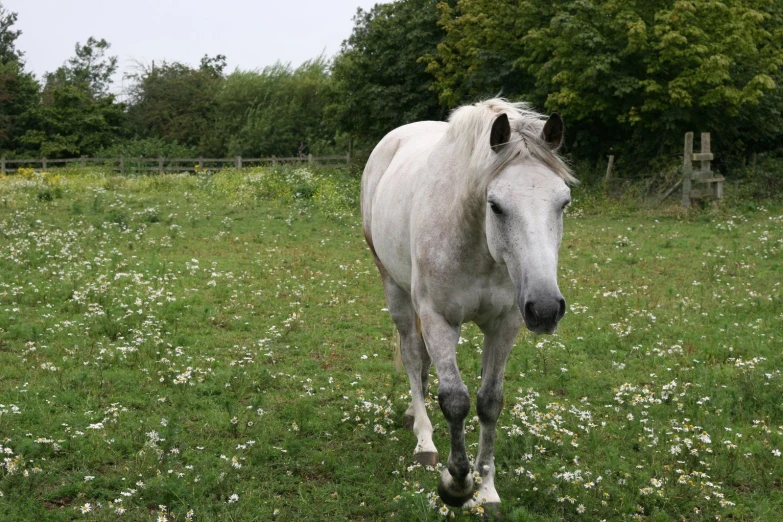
<point>501,132</point>
<point>554,131</point>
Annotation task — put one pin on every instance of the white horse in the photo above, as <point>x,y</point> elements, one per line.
<point>464,220</point>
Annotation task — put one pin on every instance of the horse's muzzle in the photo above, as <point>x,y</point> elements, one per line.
<point>542,315</point>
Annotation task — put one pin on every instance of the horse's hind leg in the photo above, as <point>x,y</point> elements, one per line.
<point>417,364</point>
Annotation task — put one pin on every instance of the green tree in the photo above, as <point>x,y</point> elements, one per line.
<point>8,51</point>
<point>19,94</point>
<point>76,115</point>
<point>89,69</point>
<point>482,41</point>
<point>70,123</point>
<point>631,75</point>
<point>759,127</point>
<point>278,111</point>
<point>381,80</point>
<point>174,101</point>
<point>18,89</point>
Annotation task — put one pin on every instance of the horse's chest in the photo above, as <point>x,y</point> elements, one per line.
<point>481,300</point>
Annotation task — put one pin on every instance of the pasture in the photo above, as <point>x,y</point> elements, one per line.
<point>216,346</point>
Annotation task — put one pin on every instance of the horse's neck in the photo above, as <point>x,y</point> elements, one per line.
<point>462,192</point>
<point>456,203</point>
<point>460,219</point>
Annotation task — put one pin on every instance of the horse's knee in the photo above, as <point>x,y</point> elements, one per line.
<point>489,402</point>
<point>454,402</point>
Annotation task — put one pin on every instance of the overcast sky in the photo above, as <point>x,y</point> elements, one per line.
<point>251,34</point>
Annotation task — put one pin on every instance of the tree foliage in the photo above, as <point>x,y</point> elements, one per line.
<point>146,148</point>
<point>89,69</point>
<point>277,111</point>
<point>174,101</point>
<point>19,93</point>
<point>381,80</point>
<point>18,89</point>
<point>70,123</point>
<point>630,74</point>
<point>481,42</point>
<point>8,51</point>
<point>75,114</point>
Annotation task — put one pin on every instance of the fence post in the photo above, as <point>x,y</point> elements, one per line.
<point>274,160</point>
<point>2,165</point>
<point>160,165</point>
<point>82,162</point>
<point>705,148</point>
<point>44,164</point>
<point>687,170</point>
<point>714,188</point>
<point>609,168</point>
<point>310,159</point>
<point>201,164</point>
<point>238,161</point>
<point>122,164</point>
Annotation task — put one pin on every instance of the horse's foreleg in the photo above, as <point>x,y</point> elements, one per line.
<point>498,340</point>
<point>417,365</point>
<point>456,482</point>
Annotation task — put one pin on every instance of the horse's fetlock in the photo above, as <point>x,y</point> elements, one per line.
<point>459,473</point>
<point>459,468</point>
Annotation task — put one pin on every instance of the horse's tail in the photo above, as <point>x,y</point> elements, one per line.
<point>397,341</point>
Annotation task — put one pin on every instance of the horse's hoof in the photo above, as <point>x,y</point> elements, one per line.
<point>451,499</point>
<point>451,495</point>
<point>407,421</point>
<point>426,458</point>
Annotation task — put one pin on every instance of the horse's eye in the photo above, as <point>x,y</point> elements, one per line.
<point>495,208</point>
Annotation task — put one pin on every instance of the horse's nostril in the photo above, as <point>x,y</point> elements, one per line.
<point>530,313</point>
<point>562,310</point>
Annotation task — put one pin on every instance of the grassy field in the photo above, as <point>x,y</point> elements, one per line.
<point>217,347</point>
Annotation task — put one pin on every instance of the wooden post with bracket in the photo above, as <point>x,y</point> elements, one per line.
<point>702,183</point>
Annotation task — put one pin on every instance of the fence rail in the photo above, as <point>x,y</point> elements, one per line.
<point>161,165</point>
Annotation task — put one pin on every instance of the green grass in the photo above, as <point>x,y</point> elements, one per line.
<point>169,342</point>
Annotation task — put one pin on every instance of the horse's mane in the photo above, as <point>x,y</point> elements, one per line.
<point>469,130</point>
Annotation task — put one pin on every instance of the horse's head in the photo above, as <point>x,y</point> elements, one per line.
<point>524,219</point>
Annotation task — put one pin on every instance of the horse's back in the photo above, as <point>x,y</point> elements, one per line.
<point>394,147</point>
<point>389,182</point>
<point>400,154</point>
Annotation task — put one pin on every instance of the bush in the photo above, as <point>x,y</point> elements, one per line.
<point>332,191</point>
<point>760,182</point>
<point>147,148</point>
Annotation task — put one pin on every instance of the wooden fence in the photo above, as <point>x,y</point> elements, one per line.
<point>697,183</point>
<point>161,165</point>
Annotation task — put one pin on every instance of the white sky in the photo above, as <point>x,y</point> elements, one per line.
<point>251,34</point>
